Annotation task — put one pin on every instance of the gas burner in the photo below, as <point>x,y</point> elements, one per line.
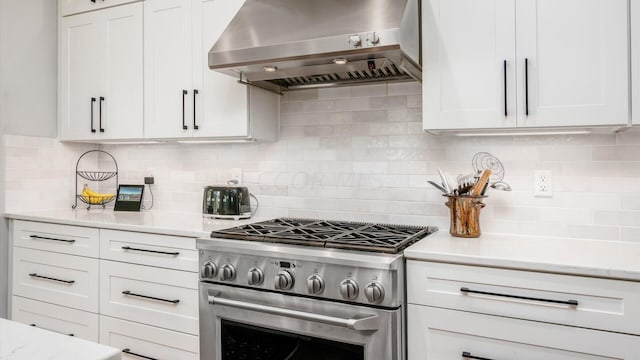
<point>331,234</point>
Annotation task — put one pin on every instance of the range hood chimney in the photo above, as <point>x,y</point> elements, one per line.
<point>296,44</point>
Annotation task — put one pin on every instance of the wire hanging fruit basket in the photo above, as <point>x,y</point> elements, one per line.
<point>84,193</point>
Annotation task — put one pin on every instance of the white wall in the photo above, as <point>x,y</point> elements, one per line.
<point>28,86</point>
<point>359,153</point>
<point>28,54</point>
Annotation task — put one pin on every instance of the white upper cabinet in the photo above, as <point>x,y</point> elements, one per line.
<point>183,98</point>
<point>69,7</point>
<point>566,63</point>
<point>101,74</point>
<point>469,70</point>
<point>577,59</point>
<point>635,60</point>
<point>167,68</point>
<point>221,103</point>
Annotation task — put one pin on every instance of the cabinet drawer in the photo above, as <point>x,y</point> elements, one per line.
<point>60,279</point>
<point>158,297</point>
<point>70,7</point>
<point>66,239</point>
<point>148,341</point>
<point>56,318</point>
<point>440,334</point>
<point>173,252</point>
<point>601,303</point>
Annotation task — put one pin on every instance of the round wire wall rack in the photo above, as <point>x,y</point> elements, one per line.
<point>84,194</point>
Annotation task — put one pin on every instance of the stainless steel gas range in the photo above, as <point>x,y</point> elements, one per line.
<point>293,289</point>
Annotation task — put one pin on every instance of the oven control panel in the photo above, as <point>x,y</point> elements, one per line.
<point>365,285</point>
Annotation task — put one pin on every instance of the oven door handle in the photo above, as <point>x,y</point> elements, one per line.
<point>358,322</point>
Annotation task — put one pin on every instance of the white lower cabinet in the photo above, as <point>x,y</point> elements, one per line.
<point>63,320</point>
<point>442,334</point>
<point>132,290</point>
<point>142,341</point>
<point>61,279</point>
<point>474,312</point>
<point>154,296</point>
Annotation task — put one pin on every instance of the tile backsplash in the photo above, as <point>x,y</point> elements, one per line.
<point>359,153</point>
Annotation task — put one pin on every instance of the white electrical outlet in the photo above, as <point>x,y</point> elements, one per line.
<point>236,174</point>
<point>542,183</point>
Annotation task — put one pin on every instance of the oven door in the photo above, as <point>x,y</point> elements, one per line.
<point>238,323</point>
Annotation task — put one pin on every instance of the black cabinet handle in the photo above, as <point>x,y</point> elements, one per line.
<point>52,279</point>
<point>504,67</point>
<point>127,292</point>
<point>34,325</point>
<point>52,239</point>
<point>129,352</point>
<point>526,87</point>
<point>151,251</point>
<point>93,100</point>
<point>184,95</point>
<point>467,355</point>
<point>195,92</point>
<point>100,109</point>
<point>566,302</point>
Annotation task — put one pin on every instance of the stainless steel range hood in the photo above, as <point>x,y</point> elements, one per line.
<point>295,44</point>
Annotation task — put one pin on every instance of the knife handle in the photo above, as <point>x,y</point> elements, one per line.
<point>482,182</point>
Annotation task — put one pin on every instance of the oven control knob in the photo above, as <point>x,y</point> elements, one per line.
<point>315,284</point>
<point>227,272</point>
<point>349,289</point>
<point>255,276</point>
<point>284,280</point>
<point>374,292</point>
<point>208,270</point>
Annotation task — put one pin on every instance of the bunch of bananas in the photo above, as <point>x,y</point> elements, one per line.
<point>91,197</point>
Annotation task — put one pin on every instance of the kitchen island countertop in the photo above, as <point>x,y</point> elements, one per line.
<point>23,342</point>
<point>596,258</point>
<point>159,222</point>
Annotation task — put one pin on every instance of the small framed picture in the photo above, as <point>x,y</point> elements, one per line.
<point>129,198</point>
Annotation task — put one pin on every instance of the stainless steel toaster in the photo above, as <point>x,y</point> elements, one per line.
<point>226,202</point>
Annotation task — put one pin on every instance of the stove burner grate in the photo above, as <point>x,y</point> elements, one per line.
<point>330,234</point>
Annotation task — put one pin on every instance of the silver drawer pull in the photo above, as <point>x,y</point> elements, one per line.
<point>566,302</point>
<point>151,251</point>
<point>52,239</point>
<point>52,279</point>
<point>129,293</point>
<point>129,352</point>
<point>467,355</point>
<point>34,325</point>
<point>359,322</point>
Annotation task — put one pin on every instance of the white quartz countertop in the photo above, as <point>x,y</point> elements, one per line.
<point>23,342</point>
<point>169,223</point>
<point>598,258</point>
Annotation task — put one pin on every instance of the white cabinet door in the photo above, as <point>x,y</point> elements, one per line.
<point>73,240</point>
<point>69,7</point>
<point>60,279</point>
<point>142,341</point>
<point>81,67</point>
<point>469,70</point>
<point>101,74</point>
<point>221,108</point>
<point>122,97</point>
<point>159,297</point>
<point>635,61</point>
<point>167,68</point>
<point>56,318</point>
<point>577,59</point>
<point>439,334</point>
